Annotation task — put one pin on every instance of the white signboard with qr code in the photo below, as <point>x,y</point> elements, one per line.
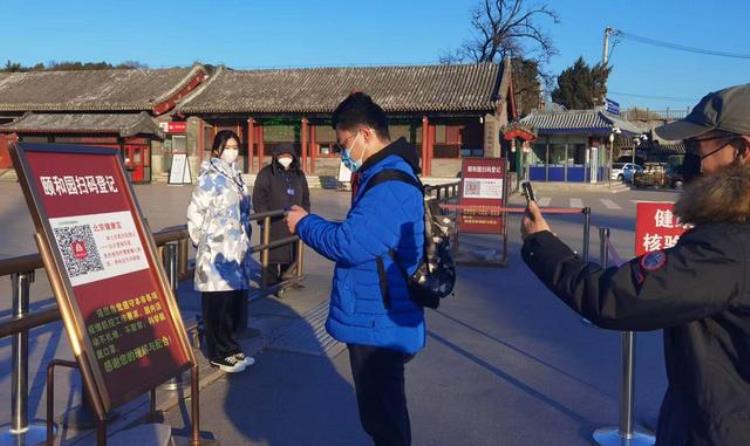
<point>98,246</point>
<point>483,188</point>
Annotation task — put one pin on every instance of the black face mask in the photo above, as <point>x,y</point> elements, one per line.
<point>691,167</point>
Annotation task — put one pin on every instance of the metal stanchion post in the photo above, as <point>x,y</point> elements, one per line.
<point>20,432</point>
<point>171,264</point>
<point>300,258</point>
<point>586,244</point>
<point>586,233</point>
<point>625,434</point>
<point>265,239</point>
<point>182,256</point>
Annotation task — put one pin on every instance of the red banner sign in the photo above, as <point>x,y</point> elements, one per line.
<point>656,227</point>
<point>125,319</point>
<point>482,187</point>
<point>177,127</point>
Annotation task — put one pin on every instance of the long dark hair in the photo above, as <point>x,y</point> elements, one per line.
<point>220,141</point>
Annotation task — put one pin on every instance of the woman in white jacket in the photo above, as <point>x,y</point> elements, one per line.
<point>220,229</point>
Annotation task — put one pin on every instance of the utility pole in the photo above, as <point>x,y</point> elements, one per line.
<point>608,31</point>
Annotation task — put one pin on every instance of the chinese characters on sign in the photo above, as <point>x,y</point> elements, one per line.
<point>114,322</point>
<point>656,228</point>
<point>484,169</point>
<point>78,185</point>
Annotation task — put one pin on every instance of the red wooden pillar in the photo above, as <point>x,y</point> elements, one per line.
<point>313,149</point>
<point>425,143</point>
<point>251,145</point>
<point>431,149</point>
<point>303,146</point>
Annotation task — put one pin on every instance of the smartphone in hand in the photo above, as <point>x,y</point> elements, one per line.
<point>528,191</point>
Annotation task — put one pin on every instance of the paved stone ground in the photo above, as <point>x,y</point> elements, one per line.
<point>506,363</point>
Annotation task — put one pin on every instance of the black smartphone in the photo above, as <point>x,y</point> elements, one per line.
<point>528,191</point>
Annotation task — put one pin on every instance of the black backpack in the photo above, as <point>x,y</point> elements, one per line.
<point>435,276</point>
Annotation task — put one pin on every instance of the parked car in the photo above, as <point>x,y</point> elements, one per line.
<point>674,176</point>
<point>629,171</point>
<point>653,175</point>
<point>619,169</point>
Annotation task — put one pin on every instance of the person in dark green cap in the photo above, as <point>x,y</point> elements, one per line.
<point>698,291</point>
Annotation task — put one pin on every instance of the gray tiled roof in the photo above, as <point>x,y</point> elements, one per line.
<point>91,90</point>
<point>585,121</point>
<point>429,88</point>
<point>124,124</point>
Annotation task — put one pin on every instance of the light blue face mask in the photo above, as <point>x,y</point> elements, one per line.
<point>350,164</point>
<point>346,158</point>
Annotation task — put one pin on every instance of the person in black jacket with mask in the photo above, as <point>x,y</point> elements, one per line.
<point>280,185</point>
<point>698,291</point>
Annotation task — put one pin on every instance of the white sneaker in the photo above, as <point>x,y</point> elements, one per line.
<point>244,359</point>
<point>230,364</point>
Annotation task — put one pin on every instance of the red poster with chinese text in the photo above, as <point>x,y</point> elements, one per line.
<point>656,227</point>
<point>123,314</point>
<point>482,196</point>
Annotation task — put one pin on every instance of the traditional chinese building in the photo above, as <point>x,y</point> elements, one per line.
<point>96,107</point>
<point>447,111</point>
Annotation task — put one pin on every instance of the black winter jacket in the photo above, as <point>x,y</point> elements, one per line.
<point>276,188</point>
<point>698,292</point>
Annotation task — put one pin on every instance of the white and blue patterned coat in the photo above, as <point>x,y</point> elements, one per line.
<point>219,227</point>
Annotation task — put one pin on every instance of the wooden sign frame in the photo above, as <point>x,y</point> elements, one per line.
<point>94,378</point>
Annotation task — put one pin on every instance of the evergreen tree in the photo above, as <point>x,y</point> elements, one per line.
<point>581,86</point>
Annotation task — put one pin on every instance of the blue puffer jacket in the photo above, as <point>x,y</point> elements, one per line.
<point>388,216</point>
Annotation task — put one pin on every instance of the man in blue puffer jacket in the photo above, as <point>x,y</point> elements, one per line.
<point>370,306</point>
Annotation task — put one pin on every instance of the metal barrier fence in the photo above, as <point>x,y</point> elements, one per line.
<point>443,192</point>
<point>173,245</point>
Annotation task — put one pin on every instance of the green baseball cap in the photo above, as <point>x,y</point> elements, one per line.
<point>727,110</point>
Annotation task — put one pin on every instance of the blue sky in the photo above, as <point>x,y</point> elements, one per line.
<point>285,33</point>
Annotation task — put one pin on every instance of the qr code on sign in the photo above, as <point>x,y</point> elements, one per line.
<point>78,250</point>
<point>472,188</point>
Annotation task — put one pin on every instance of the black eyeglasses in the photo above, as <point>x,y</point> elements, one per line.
<point>339,147</point>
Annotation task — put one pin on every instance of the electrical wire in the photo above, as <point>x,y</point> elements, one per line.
<point>645,96</point>
<point>675,46</point>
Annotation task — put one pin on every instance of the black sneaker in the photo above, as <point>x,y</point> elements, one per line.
<point>244,359</point>
<point>230,364</point>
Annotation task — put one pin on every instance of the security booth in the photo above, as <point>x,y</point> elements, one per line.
<point>520,137</point>
<point>575,146</point>
<point>132,134</point>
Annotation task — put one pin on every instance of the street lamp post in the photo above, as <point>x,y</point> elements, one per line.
<point>615,130</point>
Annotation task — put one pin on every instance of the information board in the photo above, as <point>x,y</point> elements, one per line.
<point>119,312</point>
<point>482,194</point>
<point>180,173</point>
<point>656,227</point>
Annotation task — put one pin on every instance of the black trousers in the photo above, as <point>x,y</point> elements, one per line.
<point>381,394</point>
<point>279,272</point>
<point>219,320</point>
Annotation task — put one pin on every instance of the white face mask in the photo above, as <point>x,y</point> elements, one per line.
<point>286,162</point>
<point>230,155</point>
